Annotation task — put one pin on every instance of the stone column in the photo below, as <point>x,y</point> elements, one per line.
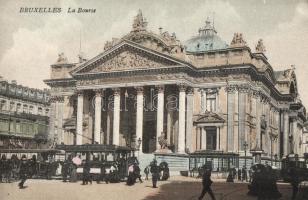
<point>79,118</point>
<point>276,113</point>
<point>52,118</point>
<point>285,133</point>
<point>258,118</point>
<point>139,116</point>
<point>116,116</point>
<point>108,126</point>
<point>182,105</point>
<point>218,138</point>
<point>295,145</point>
<point>169,125</point>
<point>160,114</point>
<point>203,138</point>
<point>60,119</point>
<point>98,116</point>
<point>203,101</point>
<point>230,118</point>
<point>242,117</point>
<point>189,118</point>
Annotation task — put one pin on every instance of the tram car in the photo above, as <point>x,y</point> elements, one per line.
<point>110,158</point>
<point>298,164</point>
<point>43,163</point>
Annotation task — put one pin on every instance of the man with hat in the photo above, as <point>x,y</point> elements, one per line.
<point>155,173</point>
<point>207,182</point>
<point>23,171</point>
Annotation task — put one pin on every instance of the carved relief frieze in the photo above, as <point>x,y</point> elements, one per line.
<point>129,60</point>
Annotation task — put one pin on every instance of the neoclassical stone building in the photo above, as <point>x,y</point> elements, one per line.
<point>201,95</point>
<point>24,116</point>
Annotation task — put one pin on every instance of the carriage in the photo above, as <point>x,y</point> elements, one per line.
<point>100,157</point>
<point>294,162</point>
<point>43,163</point>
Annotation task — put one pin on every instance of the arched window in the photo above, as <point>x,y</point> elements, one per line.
<point>31,109</point>
<point>47,112</point>
<point>2,104</point>
<point>18,107</point>
<point>40,111</point>
<point>25,108</point>
<point>12,106</point>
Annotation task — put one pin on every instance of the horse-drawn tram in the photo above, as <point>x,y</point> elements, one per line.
<point>43,163</point>
<point>101,158</point>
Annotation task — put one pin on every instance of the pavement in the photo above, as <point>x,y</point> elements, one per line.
<point>178,187</point>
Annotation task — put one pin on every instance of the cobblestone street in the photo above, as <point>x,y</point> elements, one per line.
<point>177,188</point>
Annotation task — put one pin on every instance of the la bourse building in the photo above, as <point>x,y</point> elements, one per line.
<point>204,97</point>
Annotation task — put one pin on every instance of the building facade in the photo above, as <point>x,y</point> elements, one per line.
<point>201,95</point>
<point>24,116</point>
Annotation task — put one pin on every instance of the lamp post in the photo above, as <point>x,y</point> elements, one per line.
<point>245,150</point>
<point>139,145</point>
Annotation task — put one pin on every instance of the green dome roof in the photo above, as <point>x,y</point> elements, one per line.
<point>207,40</point>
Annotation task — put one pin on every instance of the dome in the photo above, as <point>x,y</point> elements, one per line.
<point>207,40</point>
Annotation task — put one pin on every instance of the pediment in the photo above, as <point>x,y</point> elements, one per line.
<point>209,117</point>
<point>127,56</point>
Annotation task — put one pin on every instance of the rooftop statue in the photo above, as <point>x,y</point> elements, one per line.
<point>62,58</point>
<point>112,43</point>
<point>140,23</point>
<point>238,40</point>
<point>260,48</point>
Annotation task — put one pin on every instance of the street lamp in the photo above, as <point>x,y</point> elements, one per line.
<point>139,145</point>
<point>245,149</point>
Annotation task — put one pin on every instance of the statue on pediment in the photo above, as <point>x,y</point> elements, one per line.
<point>260,48</point>
<point>62,58</point>
<point>238,40</point>
<point>110,44</point>
<point>140,23</point>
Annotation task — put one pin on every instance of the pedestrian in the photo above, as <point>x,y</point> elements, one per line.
<point>86,176</point>
<point>155,173</point>
<point>65,170</point>
<point>244,174</point>
<point>23,171</point>
<point>137,172</point>
<point>206,183</point>
<point>239,174</point>
<point>294,182</point>
<point>146,171</point>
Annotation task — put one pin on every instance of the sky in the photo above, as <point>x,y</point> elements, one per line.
<point>31,42</point>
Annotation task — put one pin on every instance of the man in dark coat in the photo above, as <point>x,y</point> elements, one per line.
<point>147,171</point>
<point>23,171</point>
<point>206,183</point>
<point>155,173</point>
<point>86,173</point>
<point>137,172</point>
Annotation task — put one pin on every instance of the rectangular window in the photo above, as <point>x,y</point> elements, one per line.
<point>211,102</point>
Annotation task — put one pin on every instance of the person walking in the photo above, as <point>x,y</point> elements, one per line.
<point>155,173</point>
<point>146,172</point>
<point>23,171</point>
<point>206,183</point>
<point>137,172</point>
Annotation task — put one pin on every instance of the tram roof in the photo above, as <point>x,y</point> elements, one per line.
<point>207,153</point>
<point>94,148</point>
<point>50,151</point>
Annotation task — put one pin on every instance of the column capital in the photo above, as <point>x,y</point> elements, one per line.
<point>116,91</point>
<point>190,90</point>
<point>160,88</point>
<point>230,88</point>
<point>79,92</point>
<point>182,87</point>
<point>99,92</point>
<point>139,89</point>
<point>55,99</point>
